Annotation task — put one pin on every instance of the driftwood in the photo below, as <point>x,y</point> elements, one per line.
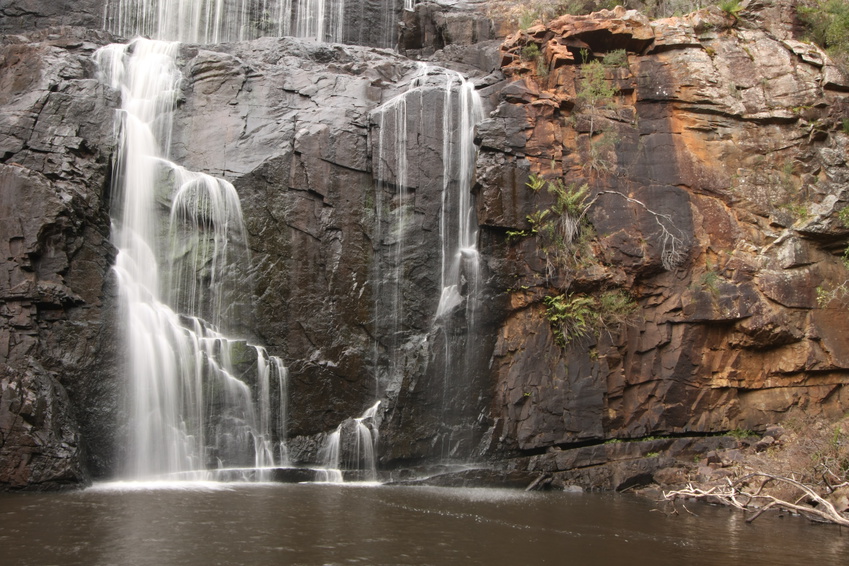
<point>737,494</point>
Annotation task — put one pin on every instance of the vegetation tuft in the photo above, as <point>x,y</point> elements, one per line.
<point>576,315</point>
<point>827,23</point>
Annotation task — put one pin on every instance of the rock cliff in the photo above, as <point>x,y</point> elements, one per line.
<point>714,154</point>
<point>57,349</point>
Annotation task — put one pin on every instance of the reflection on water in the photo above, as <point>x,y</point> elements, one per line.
<point>215,523</point>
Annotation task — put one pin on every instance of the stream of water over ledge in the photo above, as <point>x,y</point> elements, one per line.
<point>218,523</point>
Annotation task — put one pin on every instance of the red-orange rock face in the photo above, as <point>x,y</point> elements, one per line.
<point>732,137</point>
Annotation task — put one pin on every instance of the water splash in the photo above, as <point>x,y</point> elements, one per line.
<point>199,399</point>
<point>353,447</point>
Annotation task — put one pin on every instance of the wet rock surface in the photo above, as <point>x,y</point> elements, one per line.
<point>57,333</point>
<point>27,15</point>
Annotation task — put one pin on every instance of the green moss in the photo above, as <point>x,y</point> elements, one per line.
<point>740,433</point>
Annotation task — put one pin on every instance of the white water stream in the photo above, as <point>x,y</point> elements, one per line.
<point>198,399</point>
<point>353,446</point>
<point>458,233</point>
<point>402,122</point>
<point>219,21</point>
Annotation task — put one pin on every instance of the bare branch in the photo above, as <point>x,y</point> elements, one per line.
<point>672,246</point>
<point>820,509</point>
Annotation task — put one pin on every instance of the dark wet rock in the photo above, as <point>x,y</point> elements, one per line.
<point>434,26</point>
<point>278,475</point>
<point>57,309</point>
<point>40,444</point>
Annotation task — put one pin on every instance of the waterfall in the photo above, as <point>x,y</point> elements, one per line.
<point>391,170</point>
<point>460,261</point>
<point>462,111</point>
<point>198,398</point>
<point>438,104</point>
<point>352,447</point>
<point>458,225</point>
<point>218,21</point>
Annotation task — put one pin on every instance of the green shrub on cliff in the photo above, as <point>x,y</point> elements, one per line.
<point>731,7</point>
<point>827,22</point>
<point>596,95</point>
<point>576,315</point>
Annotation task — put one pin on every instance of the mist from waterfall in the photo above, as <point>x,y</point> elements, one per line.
<point>198,399</point>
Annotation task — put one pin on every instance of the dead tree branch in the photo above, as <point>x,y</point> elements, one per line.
<point>736,494</point>
<point>672,246</point>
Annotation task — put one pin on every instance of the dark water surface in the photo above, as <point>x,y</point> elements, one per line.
<point>332,524</point>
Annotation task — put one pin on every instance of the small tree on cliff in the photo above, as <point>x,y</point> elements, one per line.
<point>595,95</point>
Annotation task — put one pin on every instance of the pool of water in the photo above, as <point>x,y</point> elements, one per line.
<point>315,524</point>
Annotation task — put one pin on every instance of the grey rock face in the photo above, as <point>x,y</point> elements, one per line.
<point>295,126</point>
<point>27,15</point>
<point>40,443</point>
<point>57,331</point>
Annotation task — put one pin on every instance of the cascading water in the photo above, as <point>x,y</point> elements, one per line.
<point>199,400</point>
<point>196,406</point>
<point>353,447</point>
<point>457,224</point>
<point>392,175</point>
<point>460,262</point>
<point>433,93</point>
<point>218,21</point>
